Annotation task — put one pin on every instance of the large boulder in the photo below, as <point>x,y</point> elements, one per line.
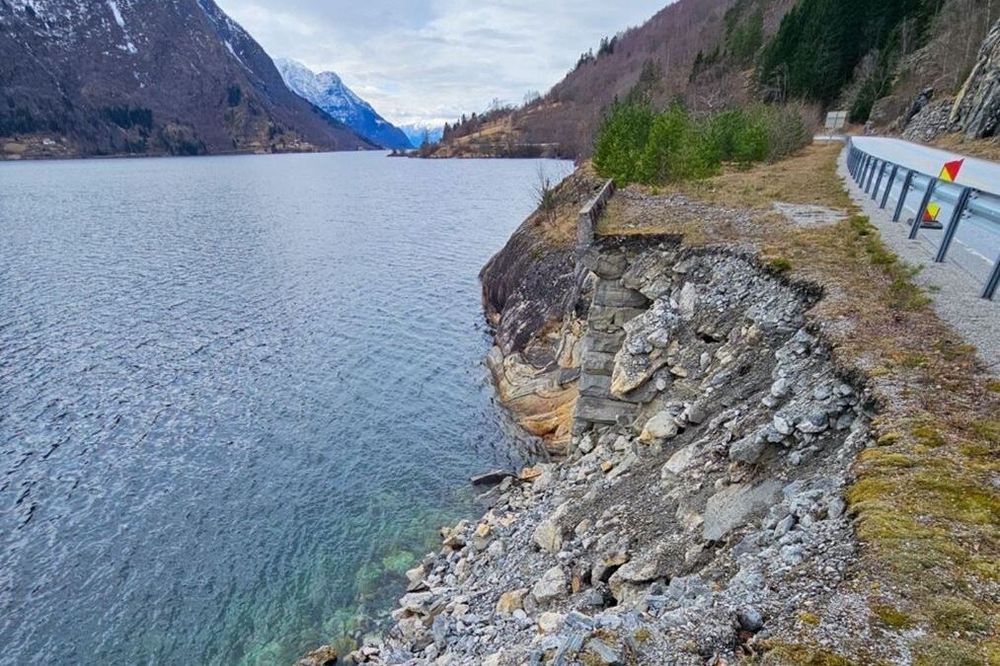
<point>977,107</point>
<point>550,586</point>
<point>732,506</point>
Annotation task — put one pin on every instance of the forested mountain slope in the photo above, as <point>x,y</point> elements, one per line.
<point>870,58</point>
<point>135,77</point>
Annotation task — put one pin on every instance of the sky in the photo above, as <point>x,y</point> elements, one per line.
<point>429,61</point>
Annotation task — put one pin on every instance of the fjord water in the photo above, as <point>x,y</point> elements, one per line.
<point>237,394</point>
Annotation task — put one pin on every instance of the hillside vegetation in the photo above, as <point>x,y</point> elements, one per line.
<point>636,144</point>
<point>870,58</point>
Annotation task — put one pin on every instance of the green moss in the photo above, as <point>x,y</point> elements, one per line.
<point>932,651</point>
<point>954,614</point>
<point>892,617</point>
<point>889,438</point>
<point>914,361</point>
<point>801,655</point>
<point>988,430</point>
<point>780,265</point>
<point>993,387</point>
<point>642,635</point>
<point>883,458</point>
<point>928,436</point>
<point>809,618</point>
<point>958,498</point>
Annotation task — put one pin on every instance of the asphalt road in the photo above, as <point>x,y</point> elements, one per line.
<point>976,246</point>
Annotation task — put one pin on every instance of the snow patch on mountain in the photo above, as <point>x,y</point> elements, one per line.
<point>328,91</point>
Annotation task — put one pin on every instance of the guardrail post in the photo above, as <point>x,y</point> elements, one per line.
<point>871,175</point>
<point>907,183</point>
<point>888,187</point>
<point>878,181</point>
<point>918,220</point>
<point>991,285</point>
<point>956,217</point>
<point>869,160</point>
<point>859,167</point>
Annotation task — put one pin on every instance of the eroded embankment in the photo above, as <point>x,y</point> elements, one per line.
<point>529,294</point>
<point>704,523</point>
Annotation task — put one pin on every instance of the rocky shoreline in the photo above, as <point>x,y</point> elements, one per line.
<point>706,524</point>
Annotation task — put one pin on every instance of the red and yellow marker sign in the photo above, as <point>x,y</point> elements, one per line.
<point>949,173</point>
<point>931,214</point>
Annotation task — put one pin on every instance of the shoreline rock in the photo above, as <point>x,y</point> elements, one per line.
<point>693,544</point>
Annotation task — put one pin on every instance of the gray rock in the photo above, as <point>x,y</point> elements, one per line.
<point>977,108</point>
<point>816,423</point>
<point>551,586</point>
<point>548,536</point>
<point>748,450</point>
<point>750,619</point>
<point>730,507</point>
<point>678,462</point>
<point>782,424</point>
<point>602,653</point>
<point>659,428</point>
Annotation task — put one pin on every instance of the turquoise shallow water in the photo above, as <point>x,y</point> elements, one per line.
<point>237,394</point>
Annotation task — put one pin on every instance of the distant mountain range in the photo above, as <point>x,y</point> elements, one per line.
<point>327,91</point>
<point>419,132</point>
<point>131,76</point>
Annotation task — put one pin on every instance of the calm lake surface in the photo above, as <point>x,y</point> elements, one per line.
<point>237,395</point>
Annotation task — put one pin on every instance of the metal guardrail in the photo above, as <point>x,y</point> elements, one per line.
<point>870,172</point>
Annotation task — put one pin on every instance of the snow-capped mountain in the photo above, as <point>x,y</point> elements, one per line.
<point>419,132</point>
<point>327,91</point>
<point>84,77</point>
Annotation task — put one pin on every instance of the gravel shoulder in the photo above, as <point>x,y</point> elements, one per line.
<point>955,293</point>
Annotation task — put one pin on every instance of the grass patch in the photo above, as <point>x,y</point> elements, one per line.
<point>932,651</point>
<point>780,265</point>
<point>642,635</point>
<point>892,617</point>
<point>928,436</point>
<point>954,614</point>
<point>783,654</point>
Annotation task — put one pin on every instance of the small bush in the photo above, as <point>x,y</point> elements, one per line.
<point>622,141</point>
<point>637,145</point>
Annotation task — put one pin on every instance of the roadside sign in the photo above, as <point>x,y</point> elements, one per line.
<point>836,120</point>
<point>949,173</point>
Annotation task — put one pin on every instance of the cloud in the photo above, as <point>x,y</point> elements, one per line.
<point>432,60</point>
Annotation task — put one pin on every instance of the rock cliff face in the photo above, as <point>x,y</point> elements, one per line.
<point>528,292</point>
<point>977,108</point>
<point>136,77</point>
<point>707,521</point>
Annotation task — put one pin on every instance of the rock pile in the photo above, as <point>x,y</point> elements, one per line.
<point>711,520</point>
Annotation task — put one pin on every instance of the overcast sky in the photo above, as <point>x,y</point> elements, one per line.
<point>432,60</point>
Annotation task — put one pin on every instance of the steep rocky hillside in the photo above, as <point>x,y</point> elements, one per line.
<point>132,77</point>
<point>701,50</point>
<point>872,59</point>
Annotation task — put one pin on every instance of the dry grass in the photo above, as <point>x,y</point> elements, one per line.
<point>957,143</point>
<point>926,505</point>
<point>804,179</point>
